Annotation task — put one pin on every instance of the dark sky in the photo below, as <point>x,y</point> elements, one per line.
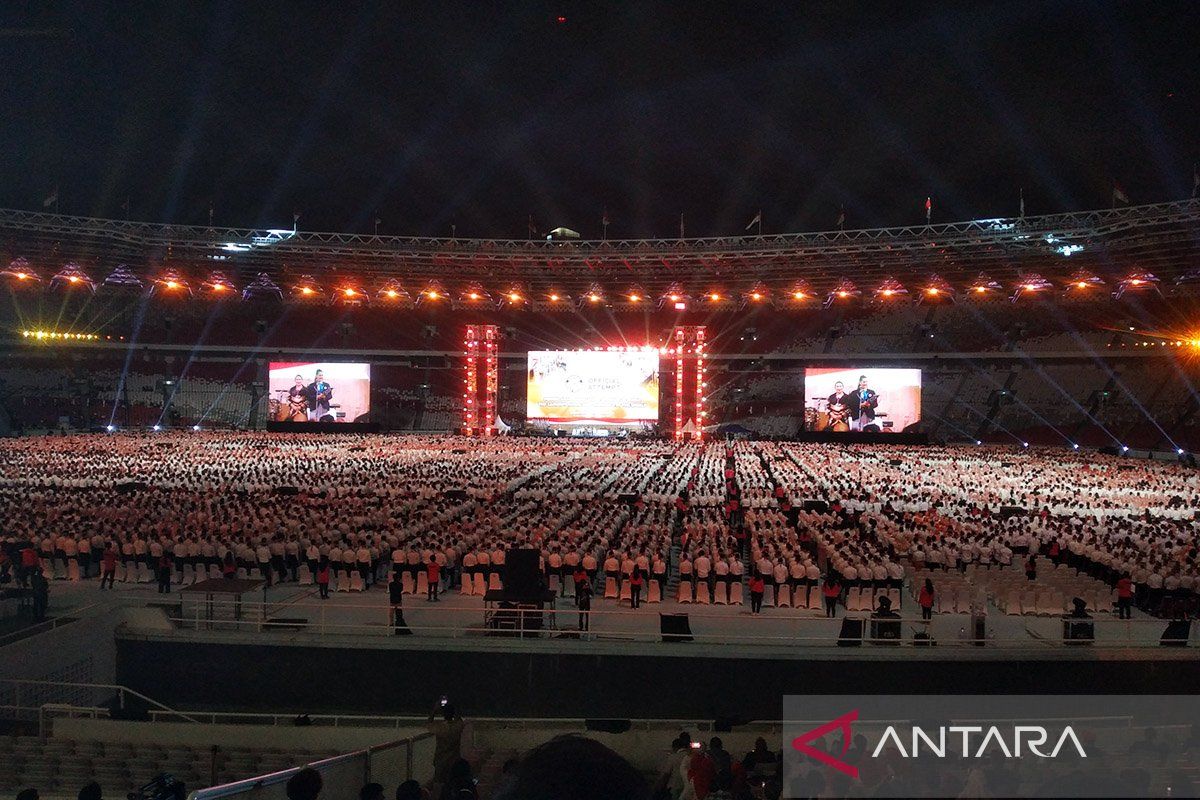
<point>481,113</point>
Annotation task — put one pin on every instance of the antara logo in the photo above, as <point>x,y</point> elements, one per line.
<point>842,723</point>
<point>955,741</point>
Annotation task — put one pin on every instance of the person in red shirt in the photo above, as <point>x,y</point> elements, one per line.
<point>832,590</point>
<point>433,572</point>
<point>635,588</point>
<point>1124,597</point>
<point>925,600</point>
<point>323,577</point>
<point>30,561</point>
<point>108,565</point>
<point>757,588</point>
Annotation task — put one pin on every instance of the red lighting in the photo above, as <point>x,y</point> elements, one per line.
<point>714,297</point>
<point>22,276</point>
<point>306,290</point>
<point>560,19</point>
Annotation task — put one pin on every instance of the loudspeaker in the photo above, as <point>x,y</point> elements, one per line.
<point>1177,633</point>
<point>852,632</point>
<point>522,576</point>
<point>675,627</point>
<point>1078,631</point>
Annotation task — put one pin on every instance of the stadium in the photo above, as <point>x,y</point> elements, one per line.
<point>306,514</point>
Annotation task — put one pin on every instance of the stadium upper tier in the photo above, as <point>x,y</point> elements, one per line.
<point>1114,250</point>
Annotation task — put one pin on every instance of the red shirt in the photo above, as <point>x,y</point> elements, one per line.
<point>1125,588</point>
<point>433,571</point>
<point>29,557</point>
<point>323,575</point>
<point>925,598</point>
<point>109,560</point>
<point>757,585</point>
<point>831,589</point>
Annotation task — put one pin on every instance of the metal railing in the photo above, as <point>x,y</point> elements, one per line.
<point>389,763</point>
<point>29,699</point>
<point>710,624</point>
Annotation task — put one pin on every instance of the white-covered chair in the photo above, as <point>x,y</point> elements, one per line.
<point>702,595</point>
<point>684,593</point>
<point>735,593</point>
<point>654,592</point>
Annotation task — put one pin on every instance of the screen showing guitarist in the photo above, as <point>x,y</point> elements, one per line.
<point>839,410</point>
<point>863,403</point>
<point>319,393</point>
<point>297,402</point>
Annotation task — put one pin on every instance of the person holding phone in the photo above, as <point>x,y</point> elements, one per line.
<point>447,728</point>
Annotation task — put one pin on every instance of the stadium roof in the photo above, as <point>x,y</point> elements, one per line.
<point>1162,239</point>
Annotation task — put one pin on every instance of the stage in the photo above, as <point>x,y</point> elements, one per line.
<point>323,427</point>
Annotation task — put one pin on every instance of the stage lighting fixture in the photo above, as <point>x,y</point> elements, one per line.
<point>1074,446</point>
<point>72,275</point>
<point>978,441</point>
<point>1024,444</point>
<point>1179,450</point>
<point>110,427</point>
<point>157,428</point>
<point>20,269</point>
<point>1124,448</point>
<point>196,427</point>
<point>888,289</point>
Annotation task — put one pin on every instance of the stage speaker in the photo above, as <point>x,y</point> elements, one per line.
<point>1078,631</point>
<point>675,627</point>
<point>852,632</point>
<point>1177,633</point>
<point>522,576</point>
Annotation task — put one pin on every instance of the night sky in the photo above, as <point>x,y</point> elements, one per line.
<point>478,114</point>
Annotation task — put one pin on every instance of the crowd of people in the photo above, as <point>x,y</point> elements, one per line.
<point>785,520</point>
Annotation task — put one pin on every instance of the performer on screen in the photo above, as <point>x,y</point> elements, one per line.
<point>297,398</point>
<point>863,403</point>
<point>318,393</point>
<point>839,410</point>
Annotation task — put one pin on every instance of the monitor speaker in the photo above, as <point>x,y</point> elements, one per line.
<point>851,634</point>
<point>675,627</point>
<point>522,575</point>
<point>1177,633</point>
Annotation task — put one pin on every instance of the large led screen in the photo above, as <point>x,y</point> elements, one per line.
<point>319,391</point>
<point>861,399</point>
<point>602,387</point>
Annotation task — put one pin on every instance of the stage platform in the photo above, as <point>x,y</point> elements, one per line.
<point>341,655</point>
<point>323,427</point>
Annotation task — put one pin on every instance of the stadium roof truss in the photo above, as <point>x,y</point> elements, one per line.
<point>1161,238</point>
